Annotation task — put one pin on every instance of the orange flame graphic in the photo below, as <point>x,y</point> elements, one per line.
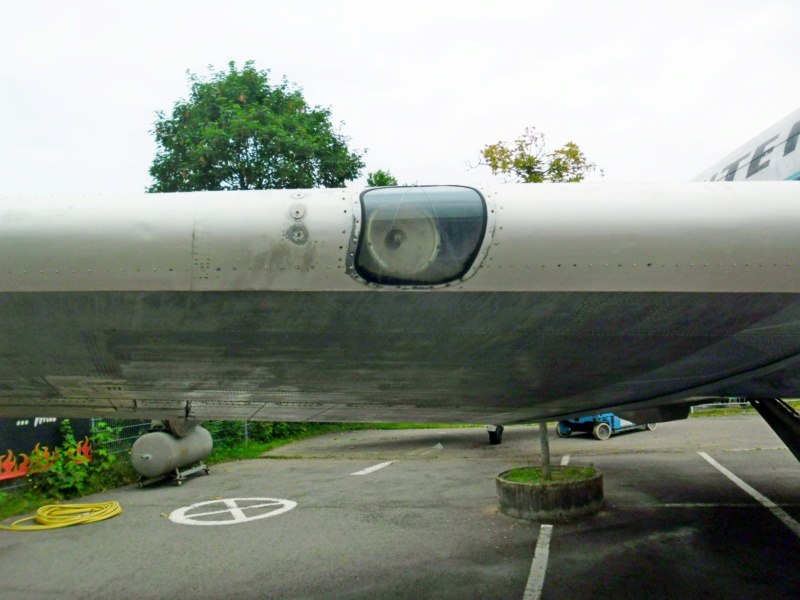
<point>40,459</point>
<point>83,453</point>
<point>10,468</point>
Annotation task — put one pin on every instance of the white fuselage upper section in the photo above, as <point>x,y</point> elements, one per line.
<point>690,237</point>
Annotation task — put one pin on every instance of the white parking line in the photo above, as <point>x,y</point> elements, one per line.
<point>774,508</point>
<point>533,590</point>
<point>373,468</point>
<point>565,460</point>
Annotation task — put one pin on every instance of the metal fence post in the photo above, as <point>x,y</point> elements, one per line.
<point>545,443</point>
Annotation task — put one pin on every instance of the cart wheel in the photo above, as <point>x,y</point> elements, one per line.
<point>602,431</point>
<point>208,472</point>
<point>650,426</point>
<point>179,482</point>
<point>563,431</point>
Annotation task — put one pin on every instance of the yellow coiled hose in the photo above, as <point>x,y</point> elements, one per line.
<point>54,516</point>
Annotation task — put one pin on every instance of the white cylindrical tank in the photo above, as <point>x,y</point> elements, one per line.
<point>158,453</point>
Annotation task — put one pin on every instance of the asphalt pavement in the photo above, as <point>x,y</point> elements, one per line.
<point>413,514</point>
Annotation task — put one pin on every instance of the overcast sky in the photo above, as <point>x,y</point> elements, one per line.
<point>651,91</point>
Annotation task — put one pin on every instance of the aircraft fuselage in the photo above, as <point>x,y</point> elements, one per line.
<point>308,304</point>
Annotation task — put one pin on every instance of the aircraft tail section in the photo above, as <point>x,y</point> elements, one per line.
<point>773,155</point>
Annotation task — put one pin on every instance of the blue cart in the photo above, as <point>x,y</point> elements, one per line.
<point>600,426</point>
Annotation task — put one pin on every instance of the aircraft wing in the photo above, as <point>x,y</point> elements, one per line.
<point>435,303</point>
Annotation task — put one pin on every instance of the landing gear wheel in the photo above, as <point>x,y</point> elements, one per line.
<point>562,431</point>
<point>650,426</point>
<point>496,436</point>
<point>602,431</point>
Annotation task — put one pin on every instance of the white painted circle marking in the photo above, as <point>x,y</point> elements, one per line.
<point>235,509</point>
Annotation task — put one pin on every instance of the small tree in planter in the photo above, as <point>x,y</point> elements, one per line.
<point>547,495</point>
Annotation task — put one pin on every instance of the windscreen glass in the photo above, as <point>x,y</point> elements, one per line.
<point>425,235</point>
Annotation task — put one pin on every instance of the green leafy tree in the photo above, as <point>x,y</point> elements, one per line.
<point>527,160</point>
<point>238,131</point>
<point>380,178</point>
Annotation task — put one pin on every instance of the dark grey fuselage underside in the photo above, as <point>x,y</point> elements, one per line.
<point>481,357</point>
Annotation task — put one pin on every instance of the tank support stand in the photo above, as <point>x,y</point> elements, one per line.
<point>177,476</point>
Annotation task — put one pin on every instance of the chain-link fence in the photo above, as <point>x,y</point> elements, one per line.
<point>127,432</point>
<point>13,485</point>
<point>721,403</point>
<point>228,433</point>
<point>224,433</point>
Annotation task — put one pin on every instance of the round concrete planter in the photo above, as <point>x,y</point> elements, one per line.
<point>552,501</point>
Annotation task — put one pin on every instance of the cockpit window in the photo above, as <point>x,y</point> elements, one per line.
<point>421,235</point>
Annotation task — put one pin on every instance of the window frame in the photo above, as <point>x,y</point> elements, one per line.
<point>474,259</point>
